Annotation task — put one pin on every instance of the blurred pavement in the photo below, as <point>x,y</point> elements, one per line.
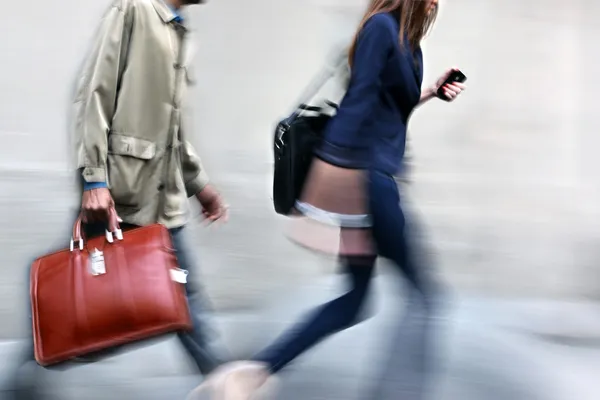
<point>488,349</point>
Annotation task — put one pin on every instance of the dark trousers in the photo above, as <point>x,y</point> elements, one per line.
<point>392,237</point>
<point>202,343</point>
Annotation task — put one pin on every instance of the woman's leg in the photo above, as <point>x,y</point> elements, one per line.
<point>241,380</point>
<point>405,372</point>
<point>332,317</point>
<point>395,237</point>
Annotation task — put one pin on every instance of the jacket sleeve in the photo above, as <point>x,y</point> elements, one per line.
<point>96,95</point>
<point>194,175</point>
<point>373,48</point>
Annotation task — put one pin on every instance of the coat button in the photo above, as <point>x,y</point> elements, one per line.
<point>161,187</point>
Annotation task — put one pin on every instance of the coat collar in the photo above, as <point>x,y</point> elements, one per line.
<point>164,11</point>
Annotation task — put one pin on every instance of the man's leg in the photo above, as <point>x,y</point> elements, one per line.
<point>202,343</point>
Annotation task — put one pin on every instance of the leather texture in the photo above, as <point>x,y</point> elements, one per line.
<point>76,312</point>
<point>294,143</point>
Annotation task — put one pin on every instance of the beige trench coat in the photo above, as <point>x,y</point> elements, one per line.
<point>128,114</point>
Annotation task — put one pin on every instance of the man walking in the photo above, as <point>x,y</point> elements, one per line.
<point>130,145</point>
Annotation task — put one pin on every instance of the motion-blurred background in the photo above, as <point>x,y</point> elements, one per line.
<point>505,180</point>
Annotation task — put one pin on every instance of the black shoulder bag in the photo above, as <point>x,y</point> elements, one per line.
<point>295,140</point>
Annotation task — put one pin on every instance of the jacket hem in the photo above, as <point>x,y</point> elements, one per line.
<point>344,157</point>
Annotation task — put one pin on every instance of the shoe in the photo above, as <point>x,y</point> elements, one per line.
<point>247,380</point>
<point>213,383</point>
<point>243,380</point>
<point>207,390</point>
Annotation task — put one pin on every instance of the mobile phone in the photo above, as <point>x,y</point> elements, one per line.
<point>455,76</point>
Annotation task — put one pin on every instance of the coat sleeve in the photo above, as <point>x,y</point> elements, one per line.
<point>97,89</point>
<point>370,58</point>
<point>373,48</point>
<point>194,174</point>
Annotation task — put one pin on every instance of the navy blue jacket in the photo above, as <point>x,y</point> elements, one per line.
<point>369,130</point>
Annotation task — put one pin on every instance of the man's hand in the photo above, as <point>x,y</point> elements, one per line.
<point>213,207</point>
<point>96,205</point>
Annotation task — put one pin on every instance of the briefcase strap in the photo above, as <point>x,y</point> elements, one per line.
<point>114,230</point>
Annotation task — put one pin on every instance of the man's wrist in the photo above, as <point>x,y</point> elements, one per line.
<point>93,185</point>
<point>207,194</point>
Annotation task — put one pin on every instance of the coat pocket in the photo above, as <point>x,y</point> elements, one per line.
<point>131,170</point>
<point>131,146</point>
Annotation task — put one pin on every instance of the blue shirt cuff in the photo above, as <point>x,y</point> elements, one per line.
<point>94,185</point>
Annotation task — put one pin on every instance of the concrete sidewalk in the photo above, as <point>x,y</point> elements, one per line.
<point>490,349</point>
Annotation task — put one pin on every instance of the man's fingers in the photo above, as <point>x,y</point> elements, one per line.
<point>220,216</point>
<point>88,216</point>
<point>226,213</point>
<point>208,220</point>
<point>111,223</point>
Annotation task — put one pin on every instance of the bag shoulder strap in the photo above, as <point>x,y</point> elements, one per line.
<point>323,76</point>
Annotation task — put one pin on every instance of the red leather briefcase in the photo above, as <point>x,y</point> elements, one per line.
<point>106,292</point>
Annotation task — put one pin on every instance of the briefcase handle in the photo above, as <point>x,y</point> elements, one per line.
<point>113,231</point>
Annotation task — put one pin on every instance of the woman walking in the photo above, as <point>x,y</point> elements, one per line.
<point>367,134</point>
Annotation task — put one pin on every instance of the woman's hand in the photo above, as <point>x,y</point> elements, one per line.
<point>451,90</point>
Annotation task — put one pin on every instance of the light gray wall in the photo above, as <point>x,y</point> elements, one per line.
<point>506,178</point>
